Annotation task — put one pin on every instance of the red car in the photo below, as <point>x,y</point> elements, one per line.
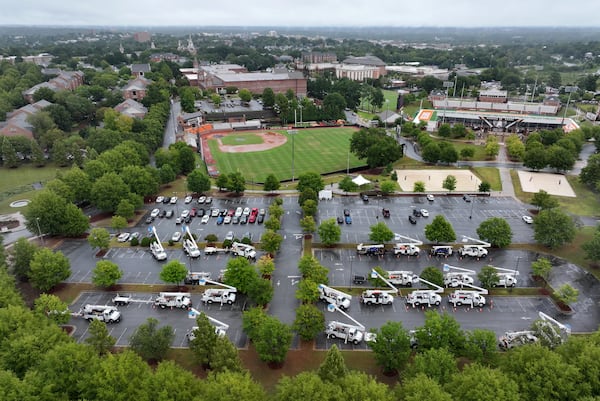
<point>254,211</point>
<point>230,212</point>
<point>252,218</point>
<point>193,212</point>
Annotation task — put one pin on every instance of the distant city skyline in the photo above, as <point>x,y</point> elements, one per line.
<point>306,13</point>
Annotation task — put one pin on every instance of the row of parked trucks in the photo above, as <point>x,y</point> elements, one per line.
<point>410,247</point>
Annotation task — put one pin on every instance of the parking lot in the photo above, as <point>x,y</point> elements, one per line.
<point>136,314</point>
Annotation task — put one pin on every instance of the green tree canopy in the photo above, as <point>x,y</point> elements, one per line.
<point>381,233</point>
<point>198,182</point>
<point>392,347</point>
<point>106,274</point>
<point>271,183</point>
<point>496,231</point>
<point>553,228</point>
<point>99,339</point>
<point>48,268</point>
<point>150,341</point>
<point>99,238</point>
<point>309,322</point>
<point>329,232</point>
<point>173,272</point>
<point>440,230</point>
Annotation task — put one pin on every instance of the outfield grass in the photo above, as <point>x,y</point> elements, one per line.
<point>241,139</point>
<point>489,174</point>
<point>322,150</point>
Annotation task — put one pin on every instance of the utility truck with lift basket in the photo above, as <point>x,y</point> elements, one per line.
<point>401,277</point>
<point>546,328</point>
<point>476,250</point>
<point>425,297</point>
<point>156,247</point>
<point>221,296</point>
<point>473,298</point>
<point>244,250</point>
<point>457,276</point>
<point>506,277</point>
<point>409,248</point>
<point>181,300</point>
<point>379,297</point>
<point>333,296</point>
<point>350,333</point>
<point>104,313</point>
<point>190,247</point>
<point>220,327</point>
<point>193,278</point>
<point>370,249</point>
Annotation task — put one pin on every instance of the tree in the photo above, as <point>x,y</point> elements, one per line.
<point>308,225</point>
<point>488,276</point>
<point>151,342</point>
<point>496,231</point>
<point>481,345</point>
<point>422,387</point>
<point>108,191</point>
<point>388,187</point>
<point>9,155</point>
<point>380,233</point>
<point>265,265</point>
<point>167,174</point>
<point>543,200</point>
<point>449,183</point>
<point>204,341</point>
<point>310,180</point>
<point>448,153</point>
<point>198,182</point>
<point>535,158</point>
<point>268,97</point>
<point>51,306</point>
<point>271,241</point>
<point>125,209</point>
<point>481,383</point>
<point>431,152</point>
<point>553,228</point>
<point>308,290</point>
<point>440,331</point>
<point>273,340</point>
<point>222,181</point>
<point>347,185</point>
<point>329,232</point>
<point>419,186</point>
<point>309,207</point>
<point>492,147</point>
<point>37,155</point>
<point>560,158</point>
<point>309,322</point>
<point>392,347</point>
<point>118,223</point>
<point>48,268</point>
<point>433,275</point>
<point>236,182</point>
<point>106,274</point>
<point>22,254</point>
<point>541,267</point>
<point>590,174</point>
<point>592,247</point>
<point>230,386</point>
<point>467,152</point>
<point>252,320</point>
<point>567,294</point>
<point>271,183</point>
<point>49,213</point>
<point>333,368</point>
<point>375,146</point>
<point>245,95</point>
<point>99,339</point>
<point>438,364</point>
<point>173,272</point>
<point>306,195</point>
<point>276,210</point>
<point>484,186</point>
<point>260,291</point>
<point>225,357</point>
<point>99,238</point>
<point>440,230</point>
<point>240,274</point>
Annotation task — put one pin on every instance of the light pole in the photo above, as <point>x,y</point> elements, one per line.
<point>37,222</point>
<point>387,112</point>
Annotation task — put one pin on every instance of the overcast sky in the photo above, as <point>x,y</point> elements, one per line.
<point>459,13</point>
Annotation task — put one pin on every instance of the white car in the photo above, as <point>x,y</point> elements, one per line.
<point>134,235</point>
<point>205,219</point>
<point>160,199</point>
<point>229,236</point>
<point>201,199</point>
<point>238,212</point>
<point>154,213</point>
<point>227,220</point>
<point>246,211</point>
<point>528,219</point>
<point>262,212</point>
<point>185,214</point>
<point>123,237</point>
<point>176,236</point>
<point>430,197</point>
<point>424,213</point>
<point>174,200</point>
<point>214,213</point>
<point>188,199</point>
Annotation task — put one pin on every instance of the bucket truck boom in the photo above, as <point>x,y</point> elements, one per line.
<point>156,247</point>
<point>457,276</point>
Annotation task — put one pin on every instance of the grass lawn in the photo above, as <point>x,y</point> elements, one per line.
<point>587,202</point>
<point>322,150</point>
<point>241,139</point>
<point>489,174</point>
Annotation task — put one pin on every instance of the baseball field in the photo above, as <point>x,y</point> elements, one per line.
<point>260,153</point>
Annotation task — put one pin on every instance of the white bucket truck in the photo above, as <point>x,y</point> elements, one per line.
<point>190,247</point>
<point>379,297</point>
<point>425,297</point>
<point>244,250</point>
<point>173,300</point>
<point>333,296</point>
<point>409,248</point>
<point>476,250</point>
<point>457,276</point>
<point>471,298</point>
<point>373,249</point>
<point>353,333</point>
<point>221,296</point>
<point>401,277</point>
<point>156,247</point>
<point>104,313</point>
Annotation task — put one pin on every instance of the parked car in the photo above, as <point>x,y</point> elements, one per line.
<point>214,213</point>
<point>160,199</point>
<point>346,212</point>
<point>185,214</point>
<point>208,200</point>
<point>364,197</point>
<point>348,220</point>
<point>149,220</point>
<point>260,218</point>
<point>188,199</point>
<point>227,219</point>
<point>166,199</point>
<point>229,236</point>
<point>169,214</point>
<point>176,236</point>
<point>412,220</point>
<point>201,199</point>
<point>162,213</point>
<point>466,198</point>
<point>528,219</point>
<point>134,235</point>
<point>417,212</point>
<point>238,212</point>
<point>424,213</point>
<point>205,219</point>
<point>243,219</point>
<point>193,212</point>
<point>230,212</point>
<point>220,220</point>
<point>174,200</point>
<point>200,212</point>
<point>155,212</point>
<point>123,237</point>
<point>223,212</point>
<point>178,220</point>
<point>188,219</point>
<point>430,197</point>
<point>246,211</point>
<point>340,220</point>
<point>385,212</point>
<point>262,212</point>
<point>235,220</point>
<point>252,219</point>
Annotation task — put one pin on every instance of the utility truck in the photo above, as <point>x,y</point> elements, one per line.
<point>220,327</point>
<point>122,300</point>
<point>173,300</point>
<point>476,250</point>
<point>353,333</point>
<point>212,250</point>
<point>441,250</point>
<point>457,276</point>
<point>104,313</point>
<point>410,247</point>
<point>426,297</point>
<point>193,278</point>
<point>512,339</point>
<point>401,277</point>
<point>244,250</point>
<point>379,297</point>
<point>473,298</point>
<point>333,296</point>
<point>190,247</point>
<point>506,277</point>
<point>156,247</point>
<point>222,296</point>
<point>370,249</point>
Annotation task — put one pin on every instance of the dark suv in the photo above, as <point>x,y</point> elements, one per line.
<point>417,213</point>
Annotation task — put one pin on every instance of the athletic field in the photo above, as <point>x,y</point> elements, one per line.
<point>322,150</point>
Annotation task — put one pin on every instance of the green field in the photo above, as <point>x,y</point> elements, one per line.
<point>322,150</point>
<point>241,139</point>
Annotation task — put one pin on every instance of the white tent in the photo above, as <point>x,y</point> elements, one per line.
<point>360,181</point>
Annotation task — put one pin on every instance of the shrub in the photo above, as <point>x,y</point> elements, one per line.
<point>146,242</point>
<point>135,242</point>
